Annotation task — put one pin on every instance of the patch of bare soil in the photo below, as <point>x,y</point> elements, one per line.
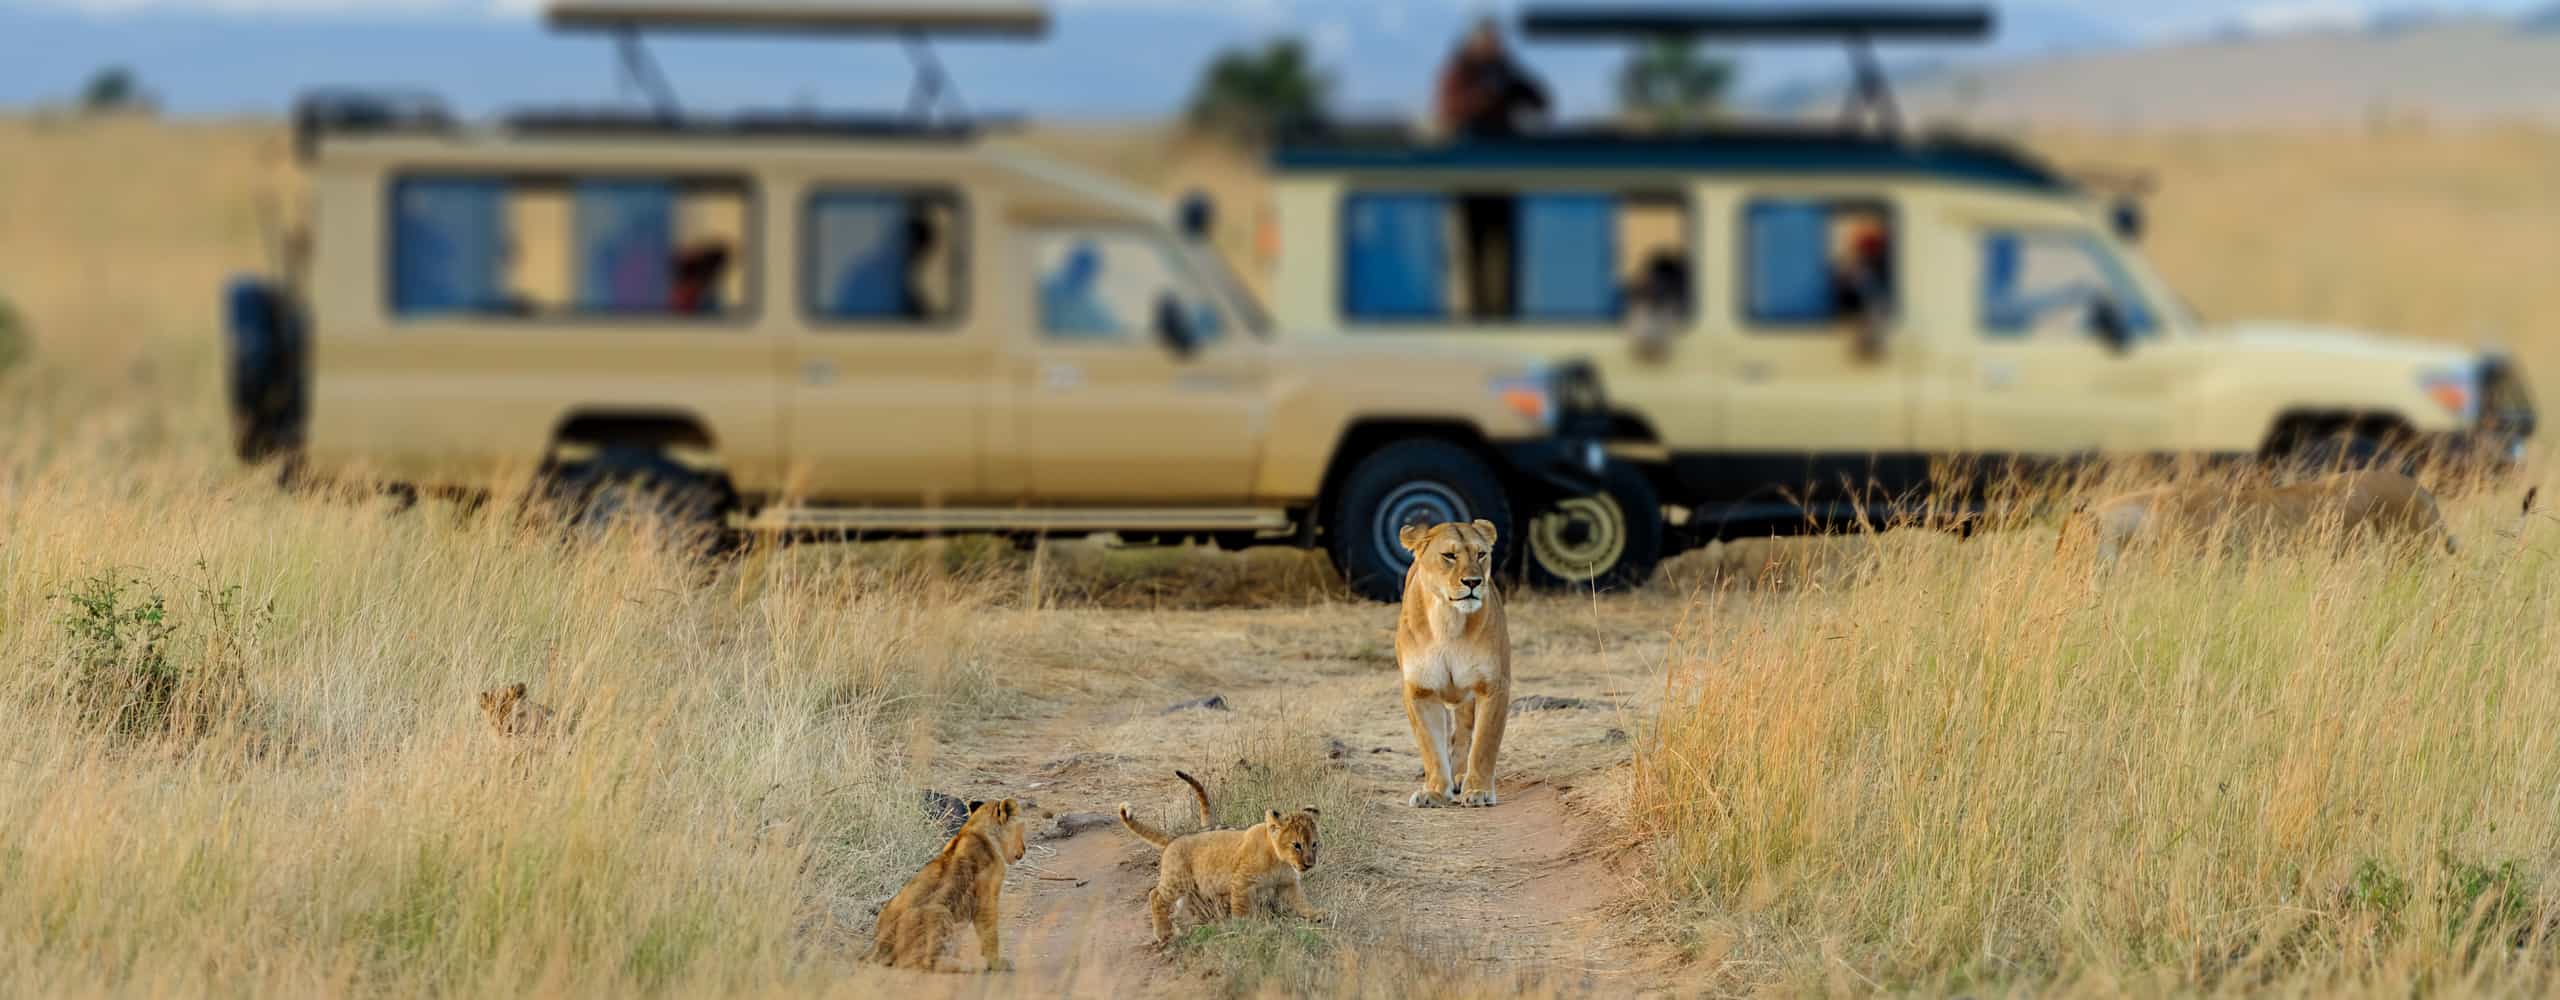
<point>1531,887</point>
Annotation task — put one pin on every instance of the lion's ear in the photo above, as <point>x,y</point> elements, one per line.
<point>1312,811</point>
<point>488,701</point>
<point>515,690</point>
<point>1485,527</point>
<point>1411,536</point>
<point>1004,811</point>
<point>1271,816</point>
<point>977,804</point>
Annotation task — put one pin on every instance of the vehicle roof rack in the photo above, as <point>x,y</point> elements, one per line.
<point>321,111</point>
<point>1859,27</point>
<point>913,22</point>
<point>1810,149</point>
<point>602,122</point>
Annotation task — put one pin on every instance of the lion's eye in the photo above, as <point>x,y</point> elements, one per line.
<point>1450,556</point>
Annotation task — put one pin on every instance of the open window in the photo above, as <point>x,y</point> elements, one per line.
<point>560,247</point>
<point>1818,265</point>
<point>882,258</point>
<point>1494,257</point>
<point>2058,285</point>
<point>1111,284</point>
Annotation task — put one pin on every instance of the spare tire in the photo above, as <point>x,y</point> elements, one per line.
<point>264,336</point>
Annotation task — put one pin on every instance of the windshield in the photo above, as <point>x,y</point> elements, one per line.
<point>2054,283</point>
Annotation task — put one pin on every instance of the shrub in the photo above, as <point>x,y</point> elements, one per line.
<point>138,671</point>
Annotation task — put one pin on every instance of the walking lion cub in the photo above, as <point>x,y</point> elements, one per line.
<point>1454,649</point>
<point>964,882</point>
<point>1236,872</point>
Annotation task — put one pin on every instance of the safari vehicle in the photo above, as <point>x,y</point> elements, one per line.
<point>847,326</point>
<point>1808,328</point>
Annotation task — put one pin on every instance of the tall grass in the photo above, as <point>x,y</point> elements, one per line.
<point>1983,766</point>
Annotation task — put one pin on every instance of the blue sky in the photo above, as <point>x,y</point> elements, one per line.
<point>1103,59</point>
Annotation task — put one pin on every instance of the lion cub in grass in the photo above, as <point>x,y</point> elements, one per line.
<point>2374,501</point>
<point>1454,647</point>
<point>513,716</point>
<point>964,882</point>
<point>1234,871</point>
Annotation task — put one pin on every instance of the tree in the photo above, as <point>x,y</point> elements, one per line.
<point>113,89</point>
<point>1669,82</point>
<point>1254,94</point>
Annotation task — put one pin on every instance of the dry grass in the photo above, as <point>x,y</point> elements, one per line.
<point>1916,765</point>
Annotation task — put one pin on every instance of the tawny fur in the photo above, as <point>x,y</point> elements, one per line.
<point>1453,646</point>
<point>963,883</point>
<point>513,716</point>
<point>1233,872</point>
<point>2374,502</point>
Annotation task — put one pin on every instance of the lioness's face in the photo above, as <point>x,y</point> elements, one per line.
<point>1454,562</point>
<point>1294,837</point>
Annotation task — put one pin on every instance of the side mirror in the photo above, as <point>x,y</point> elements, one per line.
<point>1173,327</point>
<point>1197,217</point>
<point>2127,219</point>
<point>2108,320</point>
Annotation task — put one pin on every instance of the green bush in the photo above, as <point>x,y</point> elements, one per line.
<point>137,670</point>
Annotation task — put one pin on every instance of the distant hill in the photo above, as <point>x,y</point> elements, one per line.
<point>2395,66</point>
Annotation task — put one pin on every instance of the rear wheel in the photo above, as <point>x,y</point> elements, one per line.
<point>1610,540</point>
<point>637,486</point>
<point>1421,482</point>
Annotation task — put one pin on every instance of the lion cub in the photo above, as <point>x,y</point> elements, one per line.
<point>964,882</point>
<point>512,715</point>
<point>2383,502</point>
<point>1454,648</point>
<point>1236,871</point>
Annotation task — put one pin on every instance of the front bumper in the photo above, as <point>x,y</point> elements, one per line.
<point>1567,465</point>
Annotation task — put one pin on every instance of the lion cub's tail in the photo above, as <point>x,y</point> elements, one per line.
<point>1202,794</point>
<point>1158,837</point>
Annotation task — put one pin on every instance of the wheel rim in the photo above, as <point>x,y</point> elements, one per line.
<point>1580,539</point>
<point>1423,503</point>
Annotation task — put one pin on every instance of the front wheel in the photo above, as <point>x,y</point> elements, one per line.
<point>1420,482</point>
<point>1610,540</point>
<point>637,485</point>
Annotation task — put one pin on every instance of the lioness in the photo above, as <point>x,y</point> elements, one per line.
<point>1236,871</point>
<point>964,882</point>
<point>2379,501</point>
<point>1454,649</point>
<point>512,715</point>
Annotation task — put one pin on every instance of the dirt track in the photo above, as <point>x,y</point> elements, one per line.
<point>1525,889</point>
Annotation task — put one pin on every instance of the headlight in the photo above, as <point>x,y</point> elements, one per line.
<point>1531,396</point>
<point>2456,390</point>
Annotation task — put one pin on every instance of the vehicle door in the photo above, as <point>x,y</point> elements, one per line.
<point>1137,384</point>
<point>892,381</point>
<point>2065,357</point>
<point>1816,383</point>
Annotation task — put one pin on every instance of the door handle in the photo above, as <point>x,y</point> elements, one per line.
<point>818,372</point>
<point>1060,376</point>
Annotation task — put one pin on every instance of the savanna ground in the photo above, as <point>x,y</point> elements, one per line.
<point>242,755</point>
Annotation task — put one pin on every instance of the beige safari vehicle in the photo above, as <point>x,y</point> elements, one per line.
<point>848,327</point>
<point>1806,329</point>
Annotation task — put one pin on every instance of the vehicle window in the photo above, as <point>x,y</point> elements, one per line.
<point>1818,263</point>
<point>1550,257</point>
<point>882,257</point>
<point>1117,285</point>
<point>2050,285</point>
<point>570,246</point>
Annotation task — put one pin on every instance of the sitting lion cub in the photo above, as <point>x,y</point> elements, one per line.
<point>1454,649</point>
<point>512,715</point>
<point>964,882</point>
<point>1234,871</point>
<point>2379,501</point>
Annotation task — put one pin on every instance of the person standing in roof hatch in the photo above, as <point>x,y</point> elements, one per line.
<point>1484,94</point>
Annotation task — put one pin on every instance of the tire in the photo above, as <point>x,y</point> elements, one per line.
<point>624,484</point>
<point>1409,482</point>
<point>2347,454</point>
<point>263,373</point>
<point>1611,540</point>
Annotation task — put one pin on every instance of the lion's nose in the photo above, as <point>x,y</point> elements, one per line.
<point>1472,582</point>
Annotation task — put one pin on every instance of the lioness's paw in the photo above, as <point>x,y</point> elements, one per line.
<point>1428,798</point>
<point>1480,797</point>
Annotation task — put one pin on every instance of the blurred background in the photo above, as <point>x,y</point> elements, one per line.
<point>2380,164</point>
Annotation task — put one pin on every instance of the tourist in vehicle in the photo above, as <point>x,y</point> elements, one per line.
<point>1483,93</point>
<point>1658,303</point>
<point>1862,285</point>
<point>698,271</point>
<point>1067,304</point>
<point>920,241</point>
